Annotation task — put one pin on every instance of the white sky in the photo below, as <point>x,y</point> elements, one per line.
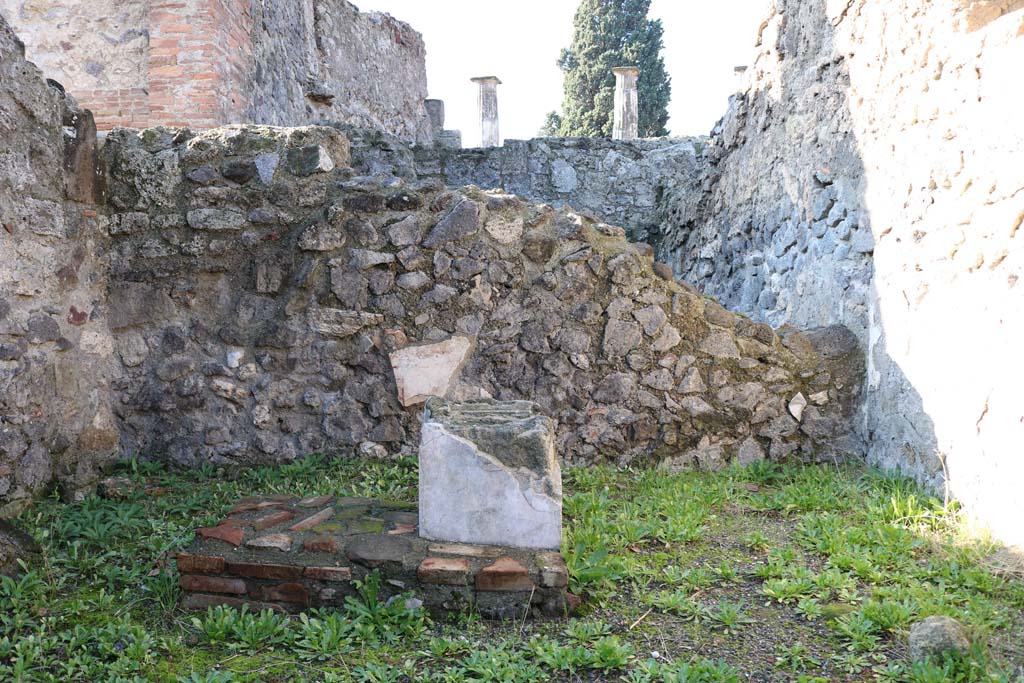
<point>519,42</point>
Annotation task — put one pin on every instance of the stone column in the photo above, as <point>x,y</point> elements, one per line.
<point>487,103</point>
<point>627,113</point>
<point>435,112</point>
<point>740,72</point>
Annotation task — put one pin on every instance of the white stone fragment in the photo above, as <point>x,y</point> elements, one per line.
<point>796,407</point>
<point>428,370</point>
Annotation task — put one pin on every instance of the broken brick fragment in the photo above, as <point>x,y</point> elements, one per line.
<point>273,519</point>
<point>321,543</point>
<point>504,575</point>
<point>228,534</point>
<point>313,520</point>
<point>199,564</point>
<point>444,571</point>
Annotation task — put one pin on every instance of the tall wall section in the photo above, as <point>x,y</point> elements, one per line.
<point>869,174</point>
<point>204,63</point>
<point>324,60</point>
<point>267,302</point>
<point>56,422</point>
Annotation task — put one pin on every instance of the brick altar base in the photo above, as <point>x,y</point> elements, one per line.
<point>290,554</point>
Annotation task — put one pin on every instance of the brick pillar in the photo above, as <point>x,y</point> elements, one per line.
<point>200,56</point>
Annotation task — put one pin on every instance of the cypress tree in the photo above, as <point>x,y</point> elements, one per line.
<point>610,33</point>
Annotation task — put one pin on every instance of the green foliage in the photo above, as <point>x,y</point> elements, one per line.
<point>208,677</point>
<point>730,615</point>
<point>795,657</point>
<point>607,34</point>
<point>860,555</point>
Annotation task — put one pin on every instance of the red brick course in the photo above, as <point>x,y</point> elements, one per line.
<point>212,584</point>
<point>264,571</point>
<point>314,562</point>
<point>504,575</point>
<point>200,54</point>
<point>332,574</point>
<point>200,564</point>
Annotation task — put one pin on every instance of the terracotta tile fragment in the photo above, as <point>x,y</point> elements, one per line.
<point>253,506</point>
<point>282,542</point>
<point>273,519</point>
<point>228,534</point>
<point>321,543</point>
<point>313,520</point>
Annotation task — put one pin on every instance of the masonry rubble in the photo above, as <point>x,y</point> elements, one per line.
<point>291,554</point>
<point>260,317</point>
<point>56,422</point>
<point>252,295</point>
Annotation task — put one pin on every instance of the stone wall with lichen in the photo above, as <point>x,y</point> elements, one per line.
<point>869,174</point>
<point>56,423</point>
<point>620,182</point>
<point>268,302</point>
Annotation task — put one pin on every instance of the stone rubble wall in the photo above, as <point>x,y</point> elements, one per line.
<point>324,60</point>
<point>885,141</point>
<point>55,353</point>
<point>267,303</point>
<point>617,181</point>
<point>204,63</point>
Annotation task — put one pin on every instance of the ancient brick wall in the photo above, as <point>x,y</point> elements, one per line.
<point>55,350</point>
<point>869,174</point>
<point>204,63</point>
<point>199,62</point>
<point>98,50</point>
<point>267,303</point>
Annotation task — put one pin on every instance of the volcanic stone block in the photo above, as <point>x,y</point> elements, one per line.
<point>489,476</point>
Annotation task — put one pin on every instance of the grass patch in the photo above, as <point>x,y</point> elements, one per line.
<point>768,574</point>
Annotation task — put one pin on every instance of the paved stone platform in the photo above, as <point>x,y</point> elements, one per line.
<point>291,554</point>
